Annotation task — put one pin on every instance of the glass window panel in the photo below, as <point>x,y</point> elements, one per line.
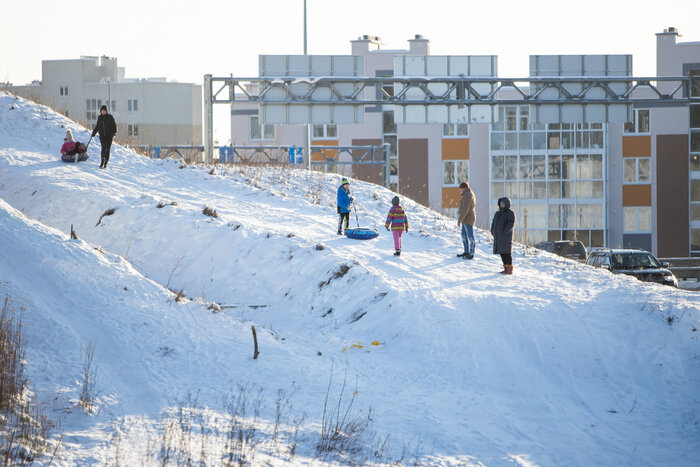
<point>554,190</point>
<point>566,140</point>
<point>539,190</point>
<point>695,162</point>
<point>553,235</point>
<point>318,131</point>
<point>526,167</point>
<point>524,118</point>
<point>567,167</point>
<point>643,167</point>
<point>448,129</point>
<point>524,219</point>
<point>255,128</point>
<point>394,167</point>
<point>389,126</point>
<point>695,239</point>
<point>630,169</point>
<point>269,131</point>
<point>695,190</point>
<point>643,121</point>
<point>582,139</point>
<point>596,126</point>
<point>596,166</point>
<point>462,171</point>
<point>332,130</point>
<point>583,189</point>
<point>448,173</point>
<point>539,140</point>
<point>695,141</point>
<point>539,216</point>
<point>583,164</point>
<point>630,219</point>
<point>695,212</point>
<point>511,190</point>
<point>511,116</point>
<point>393,145</point>
<point>538,167</point>
<point>497,141</point>
<point>629,127</point>
<point>568,216</point>
<point>644,219</point>
<point>526,190</point>
<point>583,216</point>
<point>567,189</point>
<point>695,116</point>
<point>597,238</point>
<point>511,141</point>
<point>497,169</point>
<point>499,125</point>
<point>554,167</point>
<point>553,140</point>
<point>525,141</point>
<point>511,164</point>
<point>497,190</point>
<point>597,190</point>
<point>462,129</point>
<point>596,218</point>
<point>87,101</point>
<point>597,139</point>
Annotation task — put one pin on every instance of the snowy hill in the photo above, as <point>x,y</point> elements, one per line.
<point>559,364</point>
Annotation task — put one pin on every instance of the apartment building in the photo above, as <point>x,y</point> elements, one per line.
<point>633,184</point>
<point>150,111</point>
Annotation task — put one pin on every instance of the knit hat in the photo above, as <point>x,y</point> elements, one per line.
<point>344,182</point>
<point>69,135</point>
<point>104,107</point>
<point>463,185</point>
<point>395,201</point>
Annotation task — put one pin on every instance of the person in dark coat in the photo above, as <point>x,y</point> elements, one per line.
<point>502,230</point>
<point>107,128</point>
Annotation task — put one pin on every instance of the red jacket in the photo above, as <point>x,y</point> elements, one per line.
<point>68,146</point>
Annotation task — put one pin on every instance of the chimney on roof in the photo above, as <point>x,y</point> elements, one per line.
<point>419,45</point>
<point>361,46</point>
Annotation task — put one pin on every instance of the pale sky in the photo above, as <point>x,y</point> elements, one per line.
<point>183,40</point>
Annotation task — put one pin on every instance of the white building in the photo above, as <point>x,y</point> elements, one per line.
<point>149,111</point>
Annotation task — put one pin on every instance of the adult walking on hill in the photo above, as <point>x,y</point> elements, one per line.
<point>107,128</point>
<point>502,230</point>
<point>466,217</point>
<point>344,200</point>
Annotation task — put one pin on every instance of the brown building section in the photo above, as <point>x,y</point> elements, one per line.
<point>636,195</point>
<point>636,146</point>
<point>455,148</point>
<point>672,195</point>
<point>450,197</point>
<point>413,169</point>
<point>367,173</point>
<point>319,156</point>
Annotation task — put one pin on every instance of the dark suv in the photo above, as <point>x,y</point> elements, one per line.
<point>638,263</point>
<point>572,249</point>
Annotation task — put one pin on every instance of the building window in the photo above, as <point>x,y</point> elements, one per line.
<point>455,130</point>
<point>454,172</point>
<point>640,123</point>
<point>133,130</point>
<point>637,170</point>
<point>63,91</point>
<point>132,105</point>
<point>325,131</point>
<point>261,131</point>
<point>92,106</point>
<point>112,106</point>
<point>389,136</point>
<point>637,220</point>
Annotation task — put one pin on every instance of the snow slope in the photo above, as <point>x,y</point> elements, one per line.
<point>558,364</point>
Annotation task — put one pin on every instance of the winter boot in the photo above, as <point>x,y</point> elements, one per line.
<point>505,270</point>
<point>398,253</point>
<point>509,269</point>
<point>463,255</point>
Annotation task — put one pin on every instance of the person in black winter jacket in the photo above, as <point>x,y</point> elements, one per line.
<point>502,230</point>
<point>107,128</point>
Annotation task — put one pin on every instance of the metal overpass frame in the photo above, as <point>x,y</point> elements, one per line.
<point>453,90</point>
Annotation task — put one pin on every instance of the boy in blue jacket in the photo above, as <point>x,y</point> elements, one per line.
<point>344,200</point>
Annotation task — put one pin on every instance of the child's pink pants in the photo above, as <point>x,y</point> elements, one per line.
<point>397,238</point>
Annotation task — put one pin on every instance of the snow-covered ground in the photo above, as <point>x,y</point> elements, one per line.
<point>559,364</point>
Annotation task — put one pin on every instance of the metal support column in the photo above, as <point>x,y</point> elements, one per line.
<point>208,124</point>
<point>387,166</point>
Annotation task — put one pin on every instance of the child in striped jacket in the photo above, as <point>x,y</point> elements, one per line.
<point>399,223</point>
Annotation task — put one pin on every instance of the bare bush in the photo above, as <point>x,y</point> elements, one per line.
<point>207,211</point>
<point>108,212</point>
<point>88,392</point>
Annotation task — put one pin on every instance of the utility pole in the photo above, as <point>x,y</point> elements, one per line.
<point>308,126</point>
